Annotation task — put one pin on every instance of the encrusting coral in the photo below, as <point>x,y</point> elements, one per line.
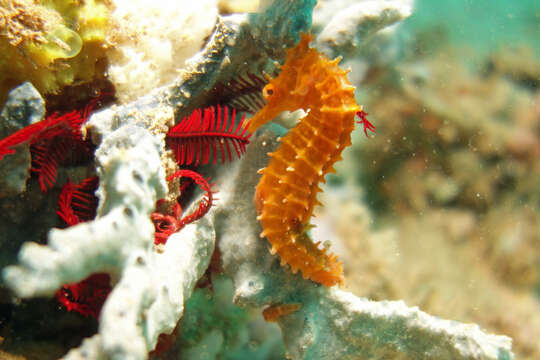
<point>151,46</point>
<point>150,282</point>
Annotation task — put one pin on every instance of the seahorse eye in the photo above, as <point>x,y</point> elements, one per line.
<point>268,91</point>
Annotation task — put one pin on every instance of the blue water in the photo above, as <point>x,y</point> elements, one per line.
<point>485,25</point>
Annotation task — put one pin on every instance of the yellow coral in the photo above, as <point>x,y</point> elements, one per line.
<point>51,43</point>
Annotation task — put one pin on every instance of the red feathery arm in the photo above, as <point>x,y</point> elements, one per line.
<point>200,133</point>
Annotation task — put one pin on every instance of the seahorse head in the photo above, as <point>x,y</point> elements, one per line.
<point>292,88</point>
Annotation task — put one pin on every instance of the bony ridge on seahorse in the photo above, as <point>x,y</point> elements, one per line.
<point>286,193</point>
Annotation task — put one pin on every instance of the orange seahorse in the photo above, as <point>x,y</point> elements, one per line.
<point>286,193</point>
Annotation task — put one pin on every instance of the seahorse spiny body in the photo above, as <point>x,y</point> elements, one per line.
<point>286,193</point>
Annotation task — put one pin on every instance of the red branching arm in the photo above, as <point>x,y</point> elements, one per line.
<point>77,203</point>
<point>86,297</point>
<point>65,212</point>
<point>243,93</point>
<point>48,128</point>
<point>206,202</point>
<point>52,141</point>
<point>197,135</point>
<point>166,225</point>
<point>364,121</point>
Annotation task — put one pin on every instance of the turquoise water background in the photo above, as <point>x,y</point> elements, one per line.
<point>485,25</point>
